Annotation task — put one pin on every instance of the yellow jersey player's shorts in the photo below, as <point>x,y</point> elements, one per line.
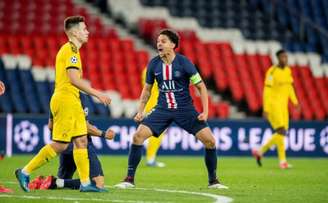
<point>278,116</point>
<point>68,118</point>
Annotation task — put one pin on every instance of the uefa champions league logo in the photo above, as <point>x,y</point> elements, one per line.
<point>26,136</point>
<point>324,139</point>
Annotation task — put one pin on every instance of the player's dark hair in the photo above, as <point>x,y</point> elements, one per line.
<point>71,21</point>
<point>281,51</point>
<point>172,35</point>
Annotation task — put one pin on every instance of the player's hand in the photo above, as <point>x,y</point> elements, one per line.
<point>139,117</point>
<point>110,134</point>
<point>298,108</point>
<point>2,88</point>
<point>202,116</point>
<point>265,115</point>
<point>104,99</point>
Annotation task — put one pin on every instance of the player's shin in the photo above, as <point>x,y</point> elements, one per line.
<point>82,164</point>
<point>71,183</point>
<point>153,145</point>
<point>134,159</point>
<point>44,155</point>
<point>281,148</point>
<point>266,146</point>
<point>211,163</point>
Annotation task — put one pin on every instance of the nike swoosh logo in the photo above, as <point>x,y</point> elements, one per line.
<point>157,73</point>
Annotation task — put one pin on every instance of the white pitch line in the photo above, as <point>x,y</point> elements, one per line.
<point>217,198</point>
<point>69,198</point>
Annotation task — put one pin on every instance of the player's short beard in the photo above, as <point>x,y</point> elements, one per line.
<point>164,55</point>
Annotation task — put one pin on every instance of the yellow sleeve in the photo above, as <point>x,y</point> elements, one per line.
<point>267,90</point>
<point>72,59</point>
<point>292,94</point>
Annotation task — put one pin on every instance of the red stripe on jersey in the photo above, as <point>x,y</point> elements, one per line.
<point>167,74</point>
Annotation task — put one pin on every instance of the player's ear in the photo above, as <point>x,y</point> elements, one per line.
<point>172,45</point>
<point>74,31</point>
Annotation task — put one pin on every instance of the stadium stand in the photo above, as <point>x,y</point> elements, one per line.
<point>243,61</point>
<point>110,62</point>
<point>31,41</point>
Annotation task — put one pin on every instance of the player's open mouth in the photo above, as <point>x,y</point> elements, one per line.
<point>160,49</point>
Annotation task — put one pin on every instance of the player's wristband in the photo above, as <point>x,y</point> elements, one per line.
<point>103,134</point>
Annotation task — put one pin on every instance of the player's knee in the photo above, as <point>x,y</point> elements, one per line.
<point>281,131</point>
<point>138,138</point>
<point>58,147</point>
<point>209,143</point>
<point>80,142</point>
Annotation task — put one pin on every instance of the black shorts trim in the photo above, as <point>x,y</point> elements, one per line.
<point>64,142</point>
<point>79,136</point>
<point>67,141</point>
<point>72,67</point>
<point>201,128</point>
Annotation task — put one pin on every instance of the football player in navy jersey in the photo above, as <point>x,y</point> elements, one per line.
<point>173,73</point>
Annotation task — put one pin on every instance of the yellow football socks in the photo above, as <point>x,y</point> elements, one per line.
<point>276,139</point>
<point>153,145</point>
<point>81,160</point>
<point>269,144</point>
<point>281,148</point>
<point>44,155</point>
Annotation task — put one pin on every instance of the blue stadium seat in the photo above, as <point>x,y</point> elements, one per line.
<point>15,91</point>
<point>280,19</point>
<point>29,91</point>
<point>42,90</point>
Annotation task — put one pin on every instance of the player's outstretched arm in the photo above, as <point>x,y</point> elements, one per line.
<point>144,97</point>
<point>94,131</point>
<point>2,88</point>
<point>50,124</point>
<point>81,84</point>
<point>293,97</point>
<point>201,87</point>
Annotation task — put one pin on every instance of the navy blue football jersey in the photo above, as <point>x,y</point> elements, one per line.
<point>173,82</point>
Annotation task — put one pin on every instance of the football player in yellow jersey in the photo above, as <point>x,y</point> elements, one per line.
<point>154,142</point>
<point>278,90</point>
<point>69,123</point>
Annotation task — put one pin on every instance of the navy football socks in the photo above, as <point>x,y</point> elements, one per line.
<point>134,159</point>
<point>211,162</point>
<point>72,183</point>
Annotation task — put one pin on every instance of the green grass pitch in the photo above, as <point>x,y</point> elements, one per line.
<point>185,180</point>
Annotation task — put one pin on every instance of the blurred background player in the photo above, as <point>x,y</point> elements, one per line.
<point>278,89</point>
<point>69,123</point>
<point>67,166</point>
<point>173,73</point>
<point>3,189</point>
<point>153,142</point>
